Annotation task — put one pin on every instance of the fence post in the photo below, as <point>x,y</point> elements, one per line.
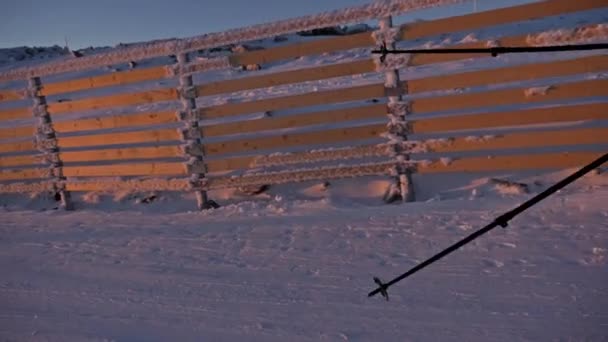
<point>191,133</point>
<point>397,109</point>
<point>46,142</point>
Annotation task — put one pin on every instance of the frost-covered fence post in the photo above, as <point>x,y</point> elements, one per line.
<point>190,132</point>
<point>46,142</point>
<point>396,108</point>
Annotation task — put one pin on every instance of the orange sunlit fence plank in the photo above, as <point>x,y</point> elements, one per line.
<point>119,138</point>
<point>257,161</point>
<point>23,174</point>
<point>16,132</point>
<point>10,95</point>
<point>531,139</point>
<point>296,139</point>
<point>148,184</point>
<point>593,111</point>
<point>126,153</point>
<point>330,172</point>
<point>17,147</point>
<point>419,30</point>
<point>510,74</point>
<point>6,161</point>
<point>287,77</point>
<point>27,187</point>
<point>500,16</point>
<point>295,101</point>
<point>138,169</point>
<point>512,162</point>
<point>299,120</point>
<point>303,49</point>
<point>511,96</point>
<point>105,102</point>
<point>116,121</point>
<point>113,79</point>
<point>15,113</point>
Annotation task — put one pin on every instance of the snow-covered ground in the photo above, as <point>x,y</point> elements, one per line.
<point>296,262</point>
<point>280,269</point>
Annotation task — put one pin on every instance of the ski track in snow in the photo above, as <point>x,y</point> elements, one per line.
<point>303,273</point>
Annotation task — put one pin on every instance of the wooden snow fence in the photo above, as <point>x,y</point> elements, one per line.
<point>175,133</point>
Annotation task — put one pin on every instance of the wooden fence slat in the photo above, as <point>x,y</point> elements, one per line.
<point>155,184</point>
<point>419,59</point>
<point>29,187</point>
<point>143,169</point>
<point>23,174</point>
<point>287,77</point>
<point>296,139</point>
<point>418,30</point>
<point>496,17</point>
<point>10,95</point>
<point>509,163</point>
<point>116,121</point>
<point>112,79</point>
<point>7,161</point>
<point>16,132</point>
<point>295,101</point>
<point>15,113</point>
<point>380,168</point>
<point>522,140</point>
<point>510,74</point>
<point>17,147</point>
<point>104,102</point>
<point>121,154</point>
<point>244,162</point>
<point>314,47</point>
<point>524,117</point>
<point>119,138</point>
<point>299,120</point>
<point>509,96</point>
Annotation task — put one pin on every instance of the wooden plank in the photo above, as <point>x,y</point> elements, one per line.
<point>154,184</point>
<point>17,132</point>
<point>21,146</point>
<point>113,79</point>
<point>23,174</point>
<point>119,138</point>
<point>6,161</point>
<point>510,74</point>
<point>29,187</point>
<point>295,101</point>
<point>287,77</point>
<point>104,102</point>
<point>143,169</point>
<point>596,111</point>
<point>116,121</point>
<point>314,47</point>
<point>521,140</point>
<point>15,113</point>
<point>511,163</point>
<point>299,120</point>
<point>296,139</point>
<point>588,88</point>
<point>380,168</point>
<point>11,95</point>
<point>121,154</point>
<point>245,162</point>
<point>536,10</point>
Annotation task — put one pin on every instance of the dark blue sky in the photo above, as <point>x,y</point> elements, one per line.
<point>108,22</point>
